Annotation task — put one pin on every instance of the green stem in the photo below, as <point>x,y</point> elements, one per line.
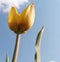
<point>15,55</point>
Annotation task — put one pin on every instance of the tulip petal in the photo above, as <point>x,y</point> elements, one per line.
<point>28,16</point>
<point>12,21</point>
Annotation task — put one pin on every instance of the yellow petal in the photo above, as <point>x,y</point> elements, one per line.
<point>27,17</point>
<point>12,14</point>
<point>12,19</point>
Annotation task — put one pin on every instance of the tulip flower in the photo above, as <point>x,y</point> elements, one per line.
<point>20,23</point>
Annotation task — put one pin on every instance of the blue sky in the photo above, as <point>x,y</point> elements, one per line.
<point>47,14</point>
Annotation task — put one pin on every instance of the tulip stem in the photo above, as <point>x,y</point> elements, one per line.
<point>15,54</point>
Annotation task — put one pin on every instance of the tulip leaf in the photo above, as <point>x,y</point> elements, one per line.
<point>7,58</point>
<point>37,45</point>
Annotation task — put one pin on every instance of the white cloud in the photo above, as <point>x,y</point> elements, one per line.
<point>5,5</point>
<point>52,61</point>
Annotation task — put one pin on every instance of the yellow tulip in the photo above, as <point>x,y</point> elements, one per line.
<point>19,23</point>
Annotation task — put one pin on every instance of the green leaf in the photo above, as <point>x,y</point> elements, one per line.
<point>37,45</point>
<point>7,58</point>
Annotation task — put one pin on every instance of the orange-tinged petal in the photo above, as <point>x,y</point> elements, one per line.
<point>13,17</point>
<point>27,18</point>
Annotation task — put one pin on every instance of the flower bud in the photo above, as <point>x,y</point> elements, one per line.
<point>19,23</point>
